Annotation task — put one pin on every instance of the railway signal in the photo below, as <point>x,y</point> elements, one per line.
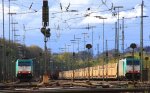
<point>45,32</point>
<point>88,46</point>
<point>146,59</point>
<point>133,46</point>
<point>45,13</point>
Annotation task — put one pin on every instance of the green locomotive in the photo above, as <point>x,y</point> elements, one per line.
<point>24,69</point>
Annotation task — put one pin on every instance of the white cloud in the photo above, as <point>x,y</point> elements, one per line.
<point>75,2</point>
<point>126,2</point>
<point>132,13</point>
<point>13,9</point>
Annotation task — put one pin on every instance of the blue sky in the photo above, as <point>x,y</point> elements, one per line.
<point>64,25</point>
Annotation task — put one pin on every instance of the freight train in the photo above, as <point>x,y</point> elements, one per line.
<point>125,69</point>
<point>24,69</point>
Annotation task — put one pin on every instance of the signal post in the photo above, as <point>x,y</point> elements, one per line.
<point>46,32</point>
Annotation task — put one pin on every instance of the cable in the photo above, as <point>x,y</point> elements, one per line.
<point>25,6</point>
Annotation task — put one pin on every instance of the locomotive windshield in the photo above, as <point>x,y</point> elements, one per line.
<point>24,63</point>
<point>136,62</point>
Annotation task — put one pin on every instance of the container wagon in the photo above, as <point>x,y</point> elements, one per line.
<point>125,69</point>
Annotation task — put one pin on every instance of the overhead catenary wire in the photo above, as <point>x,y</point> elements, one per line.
<point>28,7</point>
<point>70,20</point>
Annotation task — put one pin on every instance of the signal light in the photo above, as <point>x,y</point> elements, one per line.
<point>45,13</point>
<point>106,53</point>
<point>73,53</point>
<point>88,46</point>
<point>45,32</point>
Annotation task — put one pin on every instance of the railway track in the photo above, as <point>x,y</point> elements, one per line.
<point>61,86</point>
<point>77,90</point>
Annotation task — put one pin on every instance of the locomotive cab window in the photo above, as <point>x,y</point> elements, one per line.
<point>24,64</point>
<point>136,62</point>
